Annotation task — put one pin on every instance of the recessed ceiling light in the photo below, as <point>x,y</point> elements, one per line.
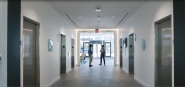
<point>108,26</point>
<point>85,26</point>
<point>112,16</point>
<point>98,9</point>
<point>80,17</point>
<point>98,17</point>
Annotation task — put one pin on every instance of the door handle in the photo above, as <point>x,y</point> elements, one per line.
<point>63,46</point>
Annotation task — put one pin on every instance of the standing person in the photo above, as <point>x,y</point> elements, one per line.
<point>102,55</point>
<point>90,55</point>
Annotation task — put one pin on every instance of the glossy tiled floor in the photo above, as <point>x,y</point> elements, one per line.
<point>97,76</point>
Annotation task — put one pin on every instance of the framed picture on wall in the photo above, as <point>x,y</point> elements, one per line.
<point>50,45</point>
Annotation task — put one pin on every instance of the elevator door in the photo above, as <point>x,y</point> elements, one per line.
<point>165,54</point>
<point>29,54</point>
<point>72,53</point>
<point>63,55</point>
<point>121,58</point>
<point>131,54</point>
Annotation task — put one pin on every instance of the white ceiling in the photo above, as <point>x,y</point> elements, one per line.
<point>86,10</point>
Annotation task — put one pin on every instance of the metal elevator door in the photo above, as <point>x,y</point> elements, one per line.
<point>72,53</point>
<point>29,54</point>
<point>121,58</point>
<point>131,54</point>
<point>165,54</point>
<point>63,54</point>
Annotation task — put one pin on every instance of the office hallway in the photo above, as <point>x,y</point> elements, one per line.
<point>97,76</point>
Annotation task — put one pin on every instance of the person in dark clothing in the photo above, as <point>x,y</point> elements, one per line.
<point>102,55</point>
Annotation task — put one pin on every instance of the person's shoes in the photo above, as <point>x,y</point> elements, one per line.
<point>99,64</point>
<point>90,65</point>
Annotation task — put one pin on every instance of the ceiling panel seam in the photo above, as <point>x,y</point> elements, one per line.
<point>121,20</point>
<point>71,20</point>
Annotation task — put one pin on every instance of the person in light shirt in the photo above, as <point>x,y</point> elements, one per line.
<point>102,55</point>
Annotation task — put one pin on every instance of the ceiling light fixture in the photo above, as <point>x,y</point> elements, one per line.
<point>98,16</point>
<point>112,16</point>
<point>85,26</point>
<point>108,26</point>
<point>80,17</point>
<point>98,9</point>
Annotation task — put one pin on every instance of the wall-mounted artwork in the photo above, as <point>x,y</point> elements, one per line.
<point>50,45</point>
<point>125,42</point>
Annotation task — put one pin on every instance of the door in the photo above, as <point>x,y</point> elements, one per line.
<point>63,55</point>
<point>96,50</point>
<point>164,53</point>
<point>108,49</point>
<point>131,54</point>
<point>72,53</point>
<point>121,58</point>
<point>29,54</point>
<point>86,48</point>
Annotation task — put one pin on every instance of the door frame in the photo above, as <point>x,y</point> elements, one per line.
<point>37,60</point>
<point>106,47</point>
<point>156,41</point>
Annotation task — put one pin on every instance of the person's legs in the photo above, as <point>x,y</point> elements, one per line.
<point>104,58</point>
<point>90,59</point>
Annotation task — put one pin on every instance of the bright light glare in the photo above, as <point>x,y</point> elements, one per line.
<point>98,10</point>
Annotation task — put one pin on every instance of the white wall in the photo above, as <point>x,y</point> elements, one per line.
<point>3,43</point>
<point>51,23</point>
<point>142,23</point>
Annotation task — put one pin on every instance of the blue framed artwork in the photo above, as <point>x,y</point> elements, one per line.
<point>50,45</point>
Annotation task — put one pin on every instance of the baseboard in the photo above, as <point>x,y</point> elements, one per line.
<point>126,71</point>
<point>51,83</point>
<point>77,65</point>
<point>141,82</point>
